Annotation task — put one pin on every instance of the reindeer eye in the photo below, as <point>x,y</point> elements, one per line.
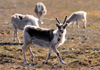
<point>59,27</point>
<point>63,27</point>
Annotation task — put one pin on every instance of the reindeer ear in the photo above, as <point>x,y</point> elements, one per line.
<point>20,17</point>
<point>57,25</point>
<point>65,25</point>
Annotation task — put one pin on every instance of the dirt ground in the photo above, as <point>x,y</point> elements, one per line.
<point>80,50</point>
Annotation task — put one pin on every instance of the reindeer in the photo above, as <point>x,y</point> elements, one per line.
<point>19,21</point>
<point>44,38</point>
<point>40,10</point>
<point>76,16</point>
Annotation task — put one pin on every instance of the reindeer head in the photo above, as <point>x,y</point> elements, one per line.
<point>61,26</point>
<point>39,7</point>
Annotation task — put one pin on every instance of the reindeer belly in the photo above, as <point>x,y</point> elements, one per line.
<point>40,43</point>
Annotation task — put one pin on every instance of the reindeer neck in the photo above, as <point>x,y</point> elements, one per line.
<point>59,38</point>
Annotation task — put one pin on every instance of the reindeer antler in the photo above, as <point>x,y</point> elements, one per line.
<point>57,20</point>
<point>65,20</point>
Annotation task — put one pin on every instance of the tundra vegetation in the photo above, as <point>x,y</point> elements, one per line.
<point>80,50</point>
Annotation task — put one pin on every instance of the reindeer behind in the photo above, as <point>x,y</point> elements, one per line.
<point>19,21</point>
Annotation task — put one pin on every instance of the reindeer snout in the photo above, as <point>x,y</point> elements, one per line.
<point>61,31</point>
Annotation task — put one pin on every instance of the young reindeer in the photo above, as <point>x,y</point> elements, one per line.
<point>44,38</point>
<point>40,10</point>
<point>76,16</point>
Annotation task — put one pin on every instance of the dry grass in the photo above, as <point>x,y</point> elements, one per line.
<point>80,51</point>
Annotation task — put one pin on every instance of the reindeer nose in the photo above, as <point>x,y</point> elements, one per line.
<point>61,31</point>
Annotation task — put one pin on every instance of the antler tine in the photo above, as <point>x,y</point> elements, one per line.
<point>65,20</point>
<point>57,20</point>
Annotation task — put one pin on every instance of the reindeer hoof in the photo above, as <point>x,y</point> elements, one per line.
<point>84,27</point>
<point>25,61</point>
<point>62,62</point>
<point>13,40</point>
<point>45,63</point>
<point>31,59</point>
<point>19,42</point>
<point>41,22</point>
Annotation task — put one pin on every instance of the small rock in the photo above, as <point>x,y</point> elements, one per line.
<point>74,68</point>
<point>52,66</point>
<point>76,49</point>
<point>87,51</point>
<point>39,51</point>
<point>79,37</point>
<point>72,38</point>
<point>91,48</point>
<point>32,64</point>
<point>85,39</point>
<point>12,68</point>
<point>6,23</point>
<point>26,67</point>
<point>92,68</point>
<point>83,42</point>
<point>70,48</point>
<point>68,38</point>
<point>19,50</point>
<point>52,59</point>
<point>83,36</point>
<point>43,62</point>
<point>6,61</point>
<point>63,48</point>
<point>17,68</point>
<point>59,66</point>
<point>8,32</point>
<point>89,66</point>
